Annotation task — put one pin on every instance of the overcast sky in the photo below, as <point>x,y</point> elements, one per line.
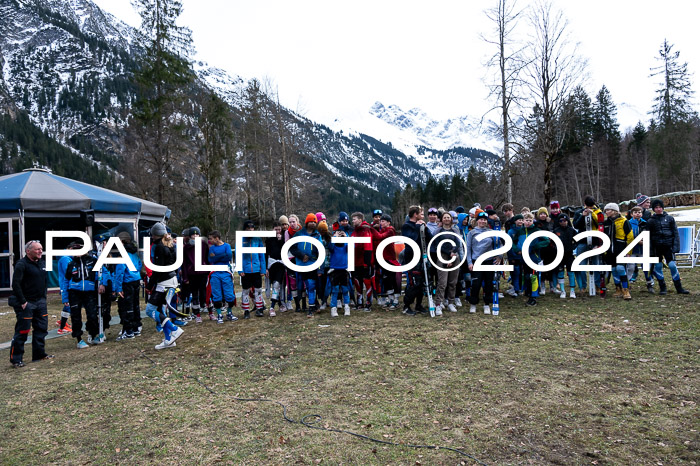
<point>330,58</point>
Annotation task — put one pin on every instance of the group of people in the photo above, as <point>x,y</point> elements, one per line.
<point>446,271</point>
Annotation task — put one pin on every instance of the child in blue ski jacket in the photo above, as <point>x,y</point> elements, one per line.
<point>338,274</point>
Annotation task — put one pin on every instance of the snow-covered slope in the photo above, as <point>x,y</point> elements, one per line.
<point>69,66</point>
<point>427,140</point>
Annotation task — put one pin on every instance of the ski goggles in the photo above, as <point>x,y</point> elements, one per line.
<point>432,210</point>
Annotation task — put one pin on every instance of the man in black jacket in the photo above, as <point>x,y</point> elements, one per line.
<point>415,285</point>
<point>665,243</point>
<point>29,302</point>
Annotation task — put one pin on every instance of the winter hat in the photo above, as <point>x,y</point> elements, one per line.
<point>343,216</point>
<point>641,199</point>
<point>185,232</point>
<point>320,217</point>
<point>76,244</point>
<point>488,207</point>
<point>195,231</point>
<point>479,211</point>
<point>482,214</point>
<point>105,236</point>
<point>518,217</point>
<point>472,211</point>
<point>310,218</point>
<point>453,214</point>
<point>657,202</point>
<point>283,220</point>
<point>554,205</point>
<point>562,217</point>
<point>386,217</point>
<point>490,212</point>
<point>612,206</point>
<point>124,236</point>
<point>323,227</point>
<point>542,210</point>
<point>459,209</point>
<point>248,224</point>
<point>158,229</point>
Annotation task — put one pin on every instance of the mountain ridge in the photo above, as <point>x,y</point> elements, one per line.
<point>68,65</point>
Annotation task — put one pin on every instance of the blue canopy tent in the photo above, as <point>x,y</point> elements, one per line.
<point>35,201</point>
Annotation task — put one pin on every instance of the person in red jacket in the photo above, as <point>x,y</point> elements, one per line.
<point>391,281</point>
<point>364,259</point>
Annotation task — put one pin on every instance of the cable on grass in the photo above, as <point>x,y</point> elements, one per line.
<point>310,421</point>
<point>143,354</point>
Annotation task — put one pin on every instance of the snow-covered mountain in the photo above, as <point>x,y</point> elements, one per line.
<point>68,65</point>
<point>426,139</point>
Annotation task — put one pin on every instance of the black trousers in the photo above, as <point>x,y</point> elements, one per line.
<point>34,315</point>
<point>106,302</point>
<point>79,300</point>
<point>415,287</point>
<point>198,287</point>
<point>277,271</point>
<point>251,280</point>
<point>477,278</point>
<point>129,306</point>
<point>322,284</point>
<point>391,282</point>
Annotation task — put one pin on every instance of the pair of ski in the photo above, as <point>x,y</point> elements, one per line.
<point>591,283</point>
<point>431,303</point>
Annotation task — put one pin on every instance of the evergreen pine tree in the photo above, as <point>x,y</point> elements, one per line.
<point>162,77</point>
<point>673,137</point>
<point>672,102</point>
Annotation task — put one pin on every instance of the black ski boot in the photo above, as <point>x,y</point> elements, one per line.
<point>650,287</point>
<point>679,287</point>
<point>662,286</point>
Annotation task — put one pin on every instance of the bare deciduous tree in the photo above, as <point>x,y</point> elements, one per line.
<point>553,71</point>
<point>508,63</point>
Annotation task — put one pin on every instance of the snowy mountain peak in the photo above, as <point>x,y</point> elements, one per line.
<point>447,134</point>
<point>442,147</point>
<point>225,85</point>
<point>90,19</point>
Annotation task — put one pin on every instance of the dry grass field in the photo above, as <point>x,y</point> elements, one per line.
<point>584,381</point>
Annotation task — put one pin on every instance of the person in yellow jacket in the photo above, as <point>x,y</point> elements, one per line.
<point>582,218</point>
<point>620,232</point>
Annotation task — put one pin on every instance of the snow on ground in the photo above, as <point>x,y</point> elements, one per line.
<point>689,215</point>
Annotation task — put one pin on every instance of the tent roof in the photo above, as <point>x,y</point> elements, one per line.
<point>39,190</point>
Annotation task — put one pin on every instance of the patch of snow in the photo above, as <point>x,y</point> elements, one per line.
<point>690,215</point>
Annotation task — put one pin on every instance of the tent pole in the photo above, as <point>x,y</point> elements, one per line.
<point>21,233</point>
